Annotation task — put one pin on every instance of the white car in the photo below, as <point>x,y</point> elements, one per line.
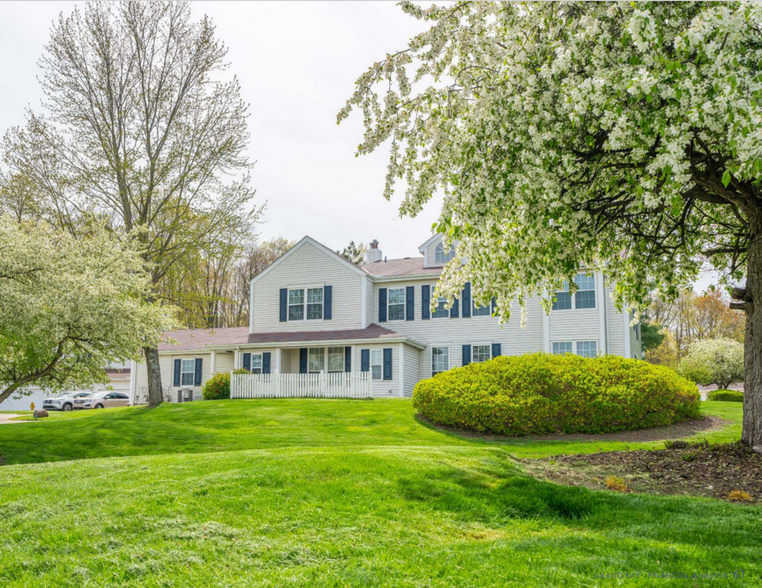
<point>67,402</point>
<point>105,399</point>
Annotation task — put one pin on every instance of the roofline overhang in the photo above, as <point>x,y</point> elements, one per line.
<point>297,344</point>
<point>407,278</point>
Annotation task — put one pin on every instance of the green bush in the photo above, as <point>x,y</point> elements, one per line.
<point>218,386</point>
<point>542,393</point>
<point>726,395</point>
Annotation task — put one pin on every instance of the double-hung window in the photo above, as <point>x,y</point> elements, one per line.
<point>335,359</point>
<point>584,297</point>
<point>316,360</point>
<point>440,360</point>
<point>377,363</point>
<point>305,302</point>
<point>480,353</point>
<point>562,347</point>
<point>396,304</point>
<point>481,310</point>
<point>441,311</point>
<point>256,363</point>
<point>587,348</point>
<point>440,257</point>
<point>188,372</point>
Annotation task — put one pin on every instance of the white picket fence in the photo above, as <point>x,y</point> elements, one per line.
<point>338,385</point>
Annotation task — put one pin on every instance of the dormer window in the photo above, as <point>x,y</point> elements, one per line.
<point>440,257</point>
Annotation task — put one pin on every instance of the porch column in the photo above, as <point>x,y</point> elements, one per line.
<point>401,368</point>
<point>277,360</point>
<point>213,363</point>
<point>236,358</point>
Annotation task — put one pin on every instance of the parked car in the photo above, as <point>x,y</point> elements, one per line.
<point>106,399</point>
<point>67,401</point>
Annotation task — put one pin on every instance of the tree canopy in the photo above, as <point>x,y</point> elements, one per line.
<point>70,306</point>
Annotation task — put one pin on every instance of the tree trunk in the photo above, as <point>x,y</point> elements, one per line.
<point>752,400</point>
<point>155,393</point>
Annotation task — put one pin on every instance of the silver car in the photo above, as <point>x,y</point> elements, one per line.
<point>66,402</point>
<point>105,399</point>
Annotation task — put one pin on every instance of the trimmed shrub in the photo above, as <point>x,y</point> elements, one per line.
<point>726,395</point>
<point>218,386</point>
<point>714,361</point>
<point>543,393</point>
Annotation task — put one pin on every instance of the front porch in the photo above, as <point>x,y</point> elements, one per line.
<point>309,385</point>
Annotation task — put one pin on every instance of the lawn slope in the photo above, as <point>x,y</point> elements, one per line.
<point>311,493</point>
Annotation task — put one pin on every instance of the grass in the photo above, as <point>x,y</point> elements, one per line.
<point>332,493</point>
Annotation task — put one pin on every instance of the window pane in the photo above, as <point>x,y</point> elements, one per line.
<point>481,311</point>
<point>296,313</point>
<point>314,295</point>
<point>440,256</point>
<point>587,348</point>
<point>396,296</point>
<point>256,360</point>
<point>314,311</point>
<point>440,359</point>
<point>585,282</point>
<point>296,296</point>
<point>335,359</point>
<point>585,299</point>
<point>316,360</point>
<point>561,348</point>
<point>563,301</point>
<point>480,353</point>
<point>441,311</point>
<point>376,359</point>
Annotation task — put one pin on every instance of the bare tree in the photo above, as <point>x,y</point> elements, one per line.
<point>143,127</point>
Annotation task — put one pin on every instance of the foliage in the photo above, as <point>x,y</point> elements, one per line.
<point>726,395</point>
<point>651,335</point>
<point>714,361</point>
<point>542,393</point>
<point>206,483</point>
<point>140,126</point>
<point>218,386</point>
<point>70,306</point>
<point>664,354</point>
<point>616,483</point>
<point>354,253</point>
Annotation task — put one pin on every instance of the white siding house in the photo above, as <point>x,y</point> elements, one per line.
<point>315,312</point>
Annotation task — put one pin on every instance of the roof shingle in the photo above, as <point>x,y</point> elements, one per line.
<point>408,266</point>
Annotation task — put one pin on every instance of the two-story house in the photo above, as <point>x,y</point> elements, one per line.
<point>313,311</point>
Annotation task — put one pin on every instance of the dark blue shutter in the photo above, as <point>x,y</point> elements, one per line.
<point>466,300</point>
<point>327,302</point>
<point>197,372</point>
<point>410,303</point>
<point>382,305</point>
<point>283,305</point>
<point>425,302</point>
<point>454,309</point>
<point>466,354</point>
<point>247,361</point>
<point>347,359</point>
<point>176,378</point>
<point>266,362</point>
<point>365,360</point>
<point>387,364</point>
<point>303,360</point>
<point>496,350</point>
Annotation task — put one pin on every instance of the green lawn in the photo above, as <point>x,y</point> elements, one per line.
<point>333,493</point>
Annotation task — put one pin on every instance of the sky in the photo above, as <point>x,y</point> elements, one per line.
<point>297,63</point>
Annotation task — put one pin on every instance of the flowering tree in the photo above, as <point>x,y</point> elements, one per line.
<point>622,137</point>
<point>714,361</point>
<point>70,306</point>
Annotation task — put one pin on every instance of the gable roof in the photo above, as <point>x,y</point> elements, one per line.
<point>196,339</point>
<point>408,266</point>
<point>304,241</point>
<point>429,241</point>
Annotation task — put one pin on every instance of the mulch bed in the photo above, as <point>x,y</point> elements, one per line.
<point>682,468</point>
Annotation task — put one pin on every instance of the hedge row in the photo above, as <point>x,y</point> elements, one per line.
<point>542,393</point>
<point>726,395</point>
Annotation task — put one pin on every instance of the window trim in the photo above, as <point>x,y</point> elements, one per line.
<point>389,304</point>
<point>305,303</point>
<point>192,372</point>
<point>573,297</point>
<point>574,349</point>
<point>261,364</point>
<point>380,364</point>
<point>571,343</point>
<point>449,358</point>
<point>488,345</point>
